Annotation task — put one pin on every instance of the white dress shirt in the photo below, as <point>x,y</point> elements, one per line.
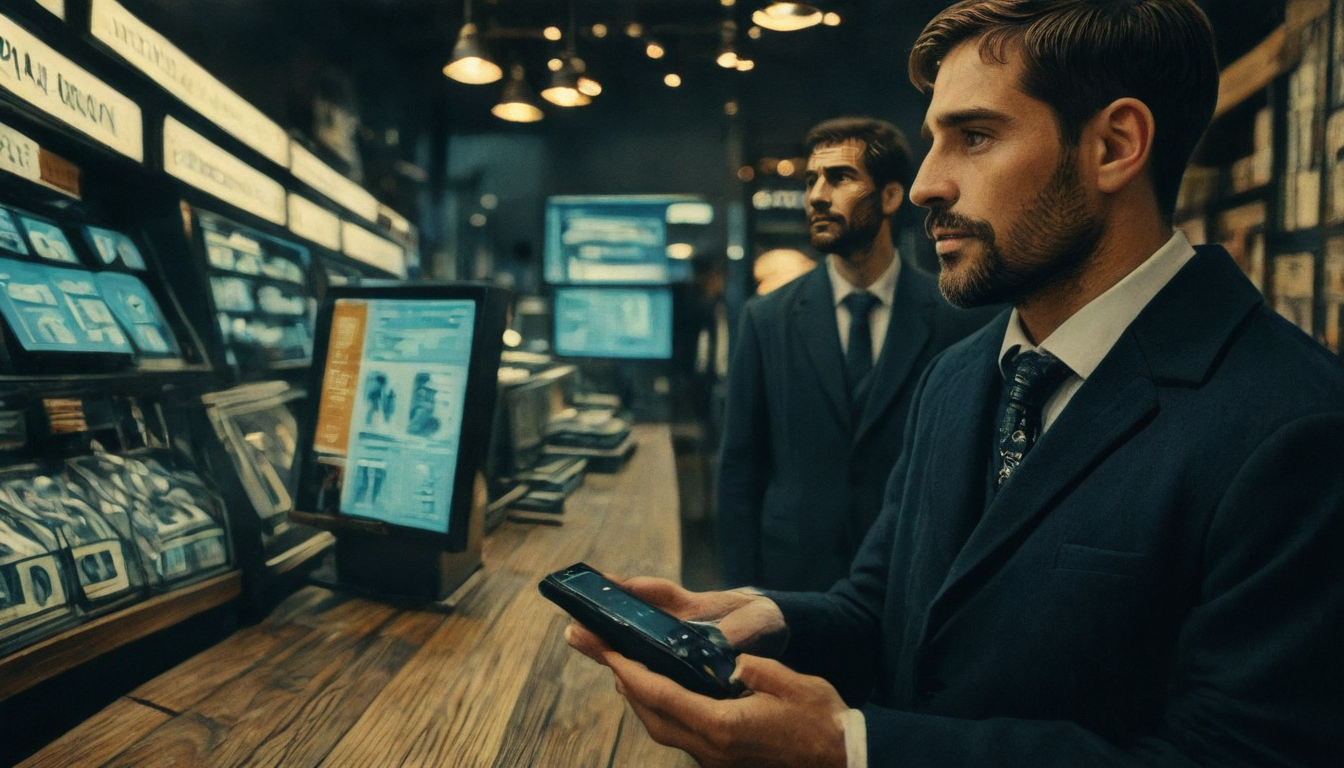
<point>1088,335</point>
<point>1081,342</point>
<point>884,288</point>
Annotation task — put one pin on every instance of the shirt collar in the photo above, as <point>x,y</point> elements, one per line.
<point>884,287</point>
<point>1083,340</point>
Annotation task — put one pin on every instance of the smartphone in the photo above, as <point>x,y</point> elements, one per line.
<point>657,639</point>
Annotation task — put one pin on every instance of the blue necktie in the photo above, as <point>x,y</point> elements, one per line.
<point>859,354</point>
<point>1036,376</point>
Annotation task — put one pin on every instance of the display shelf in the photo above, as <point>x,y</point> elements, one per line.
<point>46,659</point>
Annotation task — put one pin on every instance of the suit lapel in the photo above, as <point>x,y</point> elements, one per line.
<point>908,332</point>
<point>813,318</point>
<point>1176,339</point>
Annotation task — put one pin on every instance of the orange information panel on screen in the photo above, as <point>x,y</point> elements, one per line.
<point>349,322</point>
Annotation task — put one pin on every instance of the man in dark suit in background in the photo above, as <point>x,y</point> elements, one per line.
<point>1113,536</point>
<point>823,371</point>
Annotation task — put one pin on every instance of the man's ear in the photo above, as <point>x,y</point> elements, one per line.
<point>893,194</point>
<point>1121,141</point>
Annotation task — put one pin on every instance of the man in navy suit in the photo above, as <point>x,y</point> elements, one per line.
<point>1113,536</point>
<point>823,371</point>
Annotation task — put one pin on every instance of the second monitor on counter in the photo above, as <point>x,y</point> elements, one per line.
<point>405,382</point>
<point>631,322</point>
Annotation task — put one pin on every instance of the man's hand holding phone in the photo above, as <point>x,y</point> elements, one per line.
<point>787,719</point>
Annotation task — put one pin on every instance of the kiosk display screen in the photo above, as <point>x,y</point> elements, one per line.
<point>614,239</point>
<point>10,237</point>
<point>57,310</point>
<point>135,308</point>
<point>112,246</point>
<point>391,407</point>
<point>633,323</point>
<point>48,240</point>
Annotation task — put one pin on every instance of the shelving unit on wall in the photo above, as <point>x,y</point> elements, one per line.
<point>1268,180</point>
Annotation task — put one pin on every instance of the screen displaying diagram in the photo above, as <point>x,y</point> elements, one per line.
<point>392,394</point>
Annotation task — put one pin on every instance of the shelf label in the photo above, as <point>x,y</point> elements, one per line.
<point>52,83</point>
<point>19,154</point>
<point>192,158</point>
<point>23,157</point>
<point>181,76</point>
<point>57,7</point>
<point>310,220</point>
<point>307,168</point>
<point>362,245</point>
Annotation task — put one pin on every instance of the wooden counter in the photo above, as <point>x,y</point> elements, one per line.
<point>333,680</point>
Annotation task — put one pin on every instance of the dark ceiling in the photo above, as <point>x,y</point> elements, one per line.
<point>386,56</point>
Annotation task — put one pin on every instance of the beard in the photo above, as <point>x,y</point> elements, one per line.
<point>857,232</point>
<point>1050,241</point>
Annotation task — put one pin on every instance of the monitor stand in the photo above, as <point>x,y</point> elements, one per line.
<point>398,567</point>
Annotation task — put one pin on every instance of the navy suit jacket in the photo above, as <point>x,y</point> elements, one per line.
<point>1161,583</point>
<point>800,478</point>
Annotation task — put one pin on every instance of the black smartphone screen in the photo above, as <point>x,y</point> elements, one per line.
<point>640,614</point>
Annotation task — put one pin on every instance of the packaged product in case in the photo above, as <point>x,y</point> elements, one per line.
<point>33,597</point>
<point>170,514</point>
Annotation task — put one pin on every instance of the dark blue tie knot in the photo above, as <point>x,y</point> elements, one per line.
<point>1035,377</point>
<point>860,304</point>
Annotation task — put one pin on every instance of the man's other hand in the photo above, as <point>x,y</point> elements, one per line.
<point>787,720</point>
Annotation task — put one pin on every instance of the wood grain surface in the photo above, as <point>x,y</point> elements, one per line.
<point>333,679</point>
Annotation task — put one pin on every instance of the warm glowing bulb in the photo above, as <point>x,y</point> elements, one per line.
<point>551,33</point>
<point>754,33</point>
<point>746,173</point>
<point>589,87</point>
<point>727,3</point>
<point>785,168</point>
<point>477,220</point>
<point>634,29</point>
<point>554,65</point>
<point>727,59</point>
<point>512,338</point>
<point>654,51</point>
<point>745,65</point>
<point>599,30</point>
<point>730,108</point>
<point>680,250</point>
<point>831,19</point>
<point>672,80</point>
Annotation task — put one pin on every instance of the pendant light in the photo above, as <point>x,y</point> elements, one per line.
<point>787,17</point>
<point>469,62</point>
<point>563,90</point>
<point>516,103</point>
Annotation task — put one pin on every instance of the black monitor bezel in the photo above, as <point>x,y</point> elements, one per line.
<point>477,412</point>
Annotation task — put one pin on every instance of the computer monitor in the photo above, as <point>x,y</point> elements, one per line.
<point>404,377</point>
<point>620,322</point>
<point>630,239</point>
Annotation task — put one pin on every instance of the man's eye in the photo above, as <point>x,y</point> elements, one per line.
<point>974,138</point>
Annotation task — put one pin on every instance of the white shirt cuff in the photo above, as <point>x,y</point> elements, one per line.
<point>856,739</point>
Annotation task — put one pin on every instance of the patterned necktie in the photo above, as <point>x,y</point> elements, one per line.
<point>1036,376</point>
<point>859,354</point>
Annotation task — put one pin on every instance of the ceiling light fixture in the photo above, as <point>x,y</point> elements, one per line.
<point>564,88</point>
<point>787,17</point>
<point>727,57</point>
<point>516,103</point>
<point>672,80</point>
<point>551,33</point>
<point>831,19</point>
<point>634,29</point>
<point>469,63</point>
<point>745,65</point>
<point>599,31</point>
<point>654,51</point>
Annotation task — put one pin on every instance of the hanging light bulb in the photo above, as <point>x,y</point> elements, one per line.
<point>587,85</point>
<point>654,50</point>
<point>469,63</point>
<point>564,88</point>
<point>787,17</point>
<point>727,57</point>
<point>516,103</point>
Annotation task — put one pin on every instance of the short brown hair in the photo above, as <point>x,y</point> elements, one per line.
<point>886,153</point>
<point>1080,55</point>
